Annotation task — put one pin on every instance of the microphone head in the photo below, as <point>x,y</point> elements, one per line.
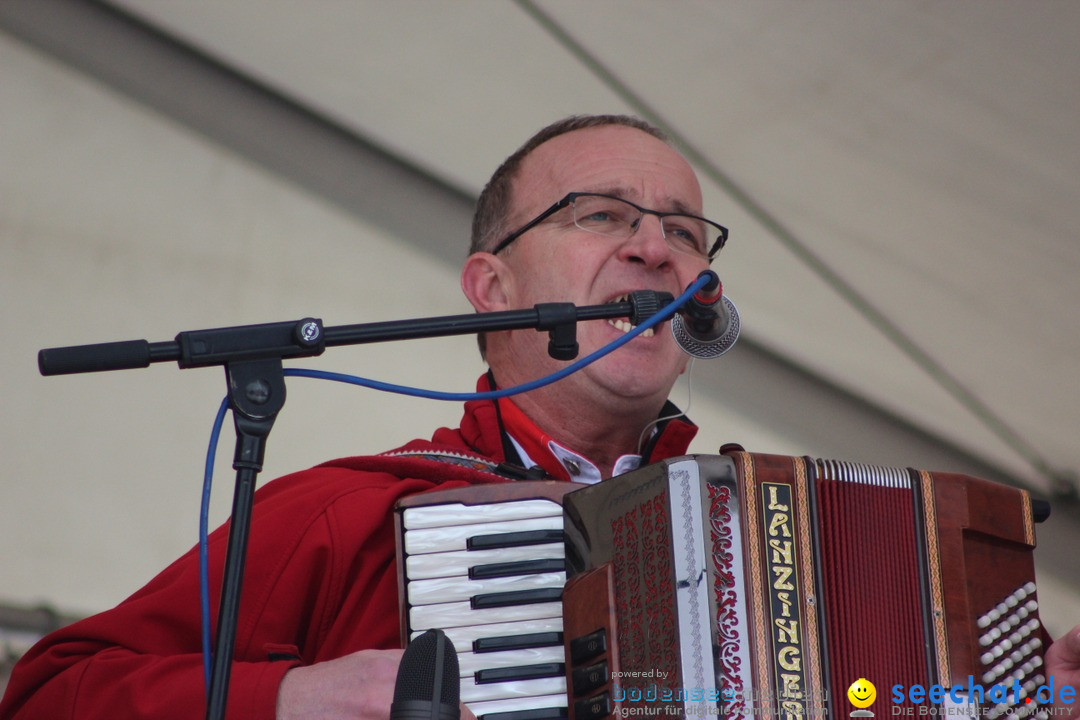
<point>427,683</point>
<point>708,348</point>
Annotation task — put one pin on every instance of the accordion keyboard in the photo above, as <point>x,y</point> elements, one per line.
<point>491,577</point>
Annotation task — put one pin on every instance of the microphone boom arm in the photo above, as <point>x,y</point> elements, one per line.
<point>252,356</point>
<point>308,337</point>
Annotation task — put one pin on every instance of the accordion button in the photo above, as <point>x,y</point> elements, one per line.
<point>589,678</point>
<point>593,708</point>
<point>588,646</point>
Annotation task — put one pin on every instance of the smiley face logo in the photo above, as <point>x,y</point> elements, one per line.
<point>862,693</point>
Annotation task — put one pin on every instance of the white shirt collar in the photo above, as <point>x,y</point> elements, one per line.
<point>581,469</point>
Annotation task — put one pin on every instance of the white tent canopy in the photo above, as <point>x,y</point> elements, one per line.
<point>899,179</point>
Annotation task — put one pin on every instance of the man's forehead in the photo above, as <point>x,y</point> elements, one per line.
<point>634,195</point>
<point>613,160</point>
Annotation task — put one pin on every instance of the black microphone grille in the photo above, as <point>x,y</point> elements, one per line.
<point>428,659</point>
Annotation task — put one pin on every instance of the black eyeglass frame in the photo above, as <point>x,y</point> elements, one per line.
<point>717,246</point>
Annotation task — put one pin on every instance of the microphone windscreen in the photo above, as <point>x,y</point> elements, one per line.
<point>429,666</point>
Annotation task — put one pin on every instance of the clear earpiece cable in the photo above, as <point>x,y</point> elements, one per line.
<point>685,408</point>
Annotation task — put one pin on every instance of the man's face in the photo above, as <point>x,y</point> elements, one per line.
<point>559,262</point>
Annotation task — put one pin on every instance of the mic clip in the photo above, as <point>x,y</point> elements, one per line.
<point>560,320</point>
<point>646,303</point>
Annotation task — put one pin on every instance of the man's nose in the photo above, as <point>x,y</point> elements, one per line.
<point>648,243</point>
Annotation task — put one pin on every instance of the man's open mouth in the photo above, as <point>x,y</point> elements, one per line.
<point>623,324</point>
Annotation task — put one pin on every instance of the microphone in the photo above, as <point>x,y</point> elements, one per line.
<point>427,685</point>
<point>707,326</point>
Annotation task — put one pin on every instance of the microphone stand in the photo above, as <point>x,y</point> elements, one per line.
<point>252,356</point>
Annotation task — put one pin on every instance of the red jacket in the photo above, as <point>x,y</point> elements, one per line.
<point>320,582</point>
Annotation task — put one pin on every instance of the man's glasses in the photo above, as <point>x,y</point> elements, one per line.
<point>618,218</point>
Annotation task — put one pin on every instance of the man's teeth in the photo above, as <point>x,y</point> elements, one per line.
<point>624,325</point>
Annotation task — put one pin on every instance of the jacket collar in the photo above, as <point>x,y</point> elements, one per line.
<point>487,425</point>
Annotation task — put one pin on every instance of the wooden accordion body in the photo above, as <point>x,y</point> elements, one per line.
<point>747,585</point>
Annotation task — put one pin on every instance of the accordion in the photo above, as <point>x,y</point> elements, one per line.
<point>737,585</point>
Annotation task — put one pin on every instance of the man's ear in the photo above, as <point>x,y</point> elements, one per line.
<point>485,280</point>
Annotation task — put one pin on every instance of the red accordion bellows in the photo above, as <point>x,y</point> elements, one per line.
<point>870,576</point>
